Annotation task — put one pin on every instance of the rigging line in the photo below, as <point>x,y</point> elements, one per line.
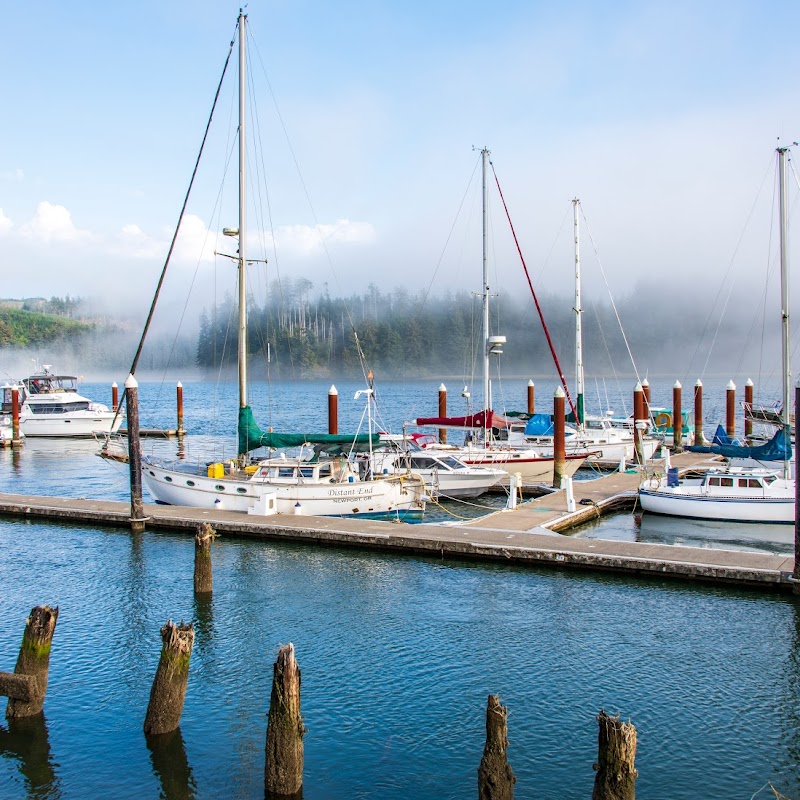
<point>362,356</point>
<point>593,306</point>
<point>447,241</point>
<point>553,246</point>
<point>610,296</point>
<point>535,298</point>
<point>183,207</point>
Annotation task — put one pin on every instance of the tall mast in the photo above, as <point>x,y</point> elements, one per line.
<point>242,356</point>
<point>786,376</point>
<point>578,312</point>
<point>487,402</point>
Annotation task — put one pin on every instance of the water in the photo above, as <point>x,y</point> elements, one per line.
<point>398,655</point>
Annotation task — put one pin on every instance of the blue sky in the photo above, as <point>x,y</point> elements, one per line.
<point>661,116</point>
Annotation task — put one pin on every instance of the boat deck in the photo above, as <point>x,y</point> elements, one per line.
<point>524,536</point>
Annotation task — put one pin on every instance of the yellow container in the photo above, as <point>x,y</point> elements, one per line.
<point>216,470</point>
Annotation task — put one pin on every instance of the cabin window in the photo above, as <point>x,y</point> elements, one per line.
<point>325,472</point>
<point>422,463</point>
<point>751,483</point>
<point>190,483</point>
<point>726,482</point>
<point>168,479</point>
<point>307,472</point>
<point>241,490</point>
<point>286,472</point>
<point>770,479</point>
<point>219,487</point>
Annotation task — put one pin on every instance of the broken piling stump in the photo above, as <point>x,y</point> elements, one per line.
<point>203,577</point>
<point>616,753</point>
<point>168,692</point>
<point>495,777</point>
<point>27,687</point>
<point>283,770</point>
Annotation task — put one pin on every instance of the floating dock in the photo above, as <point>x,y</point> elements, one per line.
<point>525,536</point>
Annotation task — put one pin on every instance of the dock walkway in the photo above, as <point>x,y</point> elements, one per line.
<point>525,536</point>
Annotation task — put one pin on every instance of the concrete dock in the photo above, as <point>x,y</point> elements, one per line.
<point>524,536</point>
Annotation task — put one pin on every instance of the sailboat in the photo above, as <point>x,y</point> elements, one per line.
<point>740,493</point>
<point>482,448</point>
<point>597,434</point>
<point>284,485</point>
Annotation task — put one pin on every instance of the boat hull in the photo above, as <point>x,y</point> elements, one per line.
<point>724,509</point>
<point>392,498</point>
<point>77,424</point>
<point>534,470</point>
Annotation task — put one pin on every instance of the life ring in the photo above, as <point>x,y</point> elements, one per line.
<point>663,420</point>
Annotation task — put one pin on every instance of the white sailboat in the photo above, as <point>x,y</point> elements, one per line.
<point>733,493</point>
<point>284,485</point>
<point>534,464</point>
<point>605,442</point>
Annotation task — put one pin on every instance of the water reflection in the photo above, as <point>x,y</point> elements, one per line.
<point>27,741</point>
<point>171,766</point>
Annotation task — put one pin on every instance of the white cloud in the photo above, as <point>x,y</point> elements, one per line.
<point>306,240</point>
<point>5,223</point>
<point>53,223</point>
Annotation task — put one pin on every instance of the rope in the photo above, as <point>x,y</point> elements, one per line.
<point>535,298</point>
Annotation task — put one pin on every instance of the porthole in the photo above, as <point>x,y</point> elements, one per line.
<point>219,487</point>
<point>241,490</point>
<point>151,472</point>
<point>168,479</point>
<point>190,483</point>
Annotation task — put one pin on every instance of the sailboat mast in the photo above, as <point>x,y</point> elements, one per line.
<point>785,340</point>
<point>487,401</point>
<point>578,313</point>
<point>242,355</point>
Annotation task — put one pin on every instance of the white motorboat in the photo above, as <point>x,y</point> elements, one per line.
<point>284,485</point>
<point>51,406</point>
<point>740,494</point>
<point>445,475</point>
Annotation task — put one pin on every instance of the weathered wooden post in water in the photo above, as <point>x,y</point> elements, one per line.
<point>181,431</point>
<point>748,407</point>
<point>677,418</point>
<point>27,686</point>
<point>114,396</point>
<point>333,410</point>
<point>203,576</point>
<point>169,685</point>
<point>730,409</point>
<point>639,422</point>
<point>16,439</point>
<point>495,777</point>
<point>442,412</point>
<point>559,440</point>
<point>531,397</point>
<point>283,770</point>
<point>616,753</point>
<point>698,413</point>
<point>138,518</point>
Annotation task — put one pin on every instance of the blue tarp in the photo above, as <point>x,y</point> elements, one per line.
<point>539,425</point>
<point>778,448</point>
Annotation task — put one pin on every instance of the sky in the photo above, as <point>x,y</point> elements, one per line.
<point>662,117</point>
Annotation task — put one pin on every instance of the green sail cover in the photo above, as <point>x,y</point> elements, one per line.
<point>252,437</point>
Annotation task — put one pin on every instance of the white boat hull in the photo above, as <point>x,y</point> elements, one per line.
<point>74,424</point>
<point>385,498</point>
<point>533,470</point>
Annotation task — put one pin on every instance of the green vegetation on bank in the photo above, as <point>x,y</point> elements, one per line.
<point>22,328</point>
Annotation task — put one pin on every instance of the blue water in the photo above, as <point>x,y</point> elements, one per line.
<point>398,655</point>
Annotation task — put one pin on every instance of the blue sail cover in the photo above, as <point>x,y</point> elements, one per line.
<point>778,448</point>
<point>539,425</point>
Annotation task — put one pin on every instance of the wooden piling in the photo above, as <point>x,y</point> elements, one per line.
<point>168,692</point>
<point>639,422</point>
<point>181,431</point>
<point>699,438</point>
<point>333,410</point>
<point>203,577</point>
<point>495,777</point>
<point>442,412</point>
<point>559,439</point>
<point>730,409</point>
<point>531,397</point>
<point>16,439</point>
<point>114,396</point>
<point>283,770</point>
<point>138,518</point>
<point>646,397</point>
<point>616,753</point>
<point>33,661</point>
<point>677,418</point>
<point>748,407</point>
